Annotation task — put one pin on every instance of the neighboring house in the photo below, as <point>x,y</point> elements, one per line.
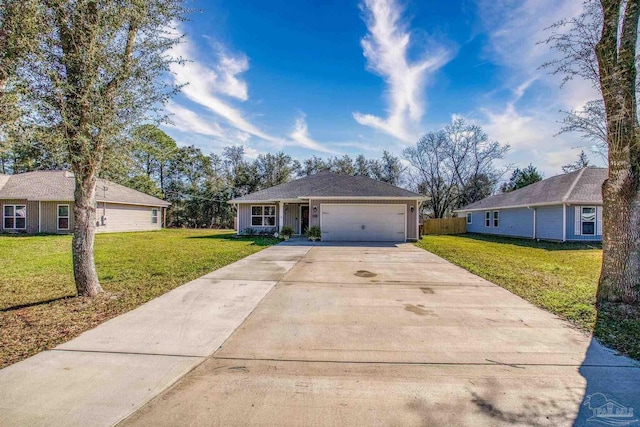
<point>565,207</point>
<point>346,208</point>
<point>42,202</point>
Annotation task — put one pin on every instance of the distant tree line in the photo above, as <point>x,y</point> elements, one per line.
<point>197,184</point>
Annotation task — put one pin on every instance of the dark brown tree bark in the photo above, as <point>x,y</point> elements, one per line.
<point>616,52</point>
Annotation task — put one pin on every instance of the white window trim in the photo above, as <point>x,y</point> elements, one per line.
<point>469,218</point>
<point>595,221</point>
<point>495,218</point>
<point>154,216</point>
<point>14,217</point>
<point>263,216</point>
<point>58,216</point>
<point>487,219</point>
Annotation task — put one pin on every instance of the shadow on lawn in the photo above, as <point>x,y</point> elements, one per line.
<point>35,303</point>
<point>536,244</point>
<point>256,240</point>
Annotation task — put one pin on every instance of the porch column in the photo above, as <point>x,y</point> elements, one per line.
<point>280,215</point>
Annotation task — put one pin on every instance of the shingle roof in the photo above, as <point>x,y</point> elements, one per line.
<point>583,186</point>
<point>327,184</point>
<point>59,185</point>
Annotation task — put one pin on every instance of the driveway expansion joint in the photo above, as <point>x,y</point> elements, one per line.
<point>387,363</point>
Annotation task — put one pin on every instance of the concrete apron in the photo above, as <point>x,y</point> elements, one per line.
<point>395,336</point>
<point>107,373</point>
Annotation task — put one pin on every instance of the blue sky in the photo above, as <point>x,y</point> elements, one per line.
<point>333,77</point>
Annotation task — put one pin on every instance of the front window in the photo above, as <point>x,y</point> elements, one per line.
<point>588,220</point>
<point>15,217</point>
<point>154,216</point>
<point>263,216</point>
<point>469,217</point>
<point>487,219</point>
<point>63,217</point>
<point>495,218</point>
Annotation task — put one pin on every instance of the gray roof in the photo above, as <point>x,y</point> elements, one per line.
<point>328,184</point>
<point>583,186</point>
<point>59,186</point>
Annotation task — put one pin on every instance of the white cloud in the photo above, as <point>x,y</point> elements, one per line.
<point>186,120</point>
<point>250,153</point>
<point>301,136</point>
<point>205,84</point>
<point>528,119</point>
<point>386,48</point>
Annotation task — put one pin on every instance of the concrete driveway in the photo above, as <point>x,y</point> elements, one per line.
<point>325,335</point>
<point>391,335</point>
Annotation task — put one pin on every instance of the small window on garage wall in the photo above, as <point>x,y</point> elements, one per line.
<point>154,216</point>
<point>487,219</point>
<point>63,217</point>
<point>469,217</point>
<point>496,217</point>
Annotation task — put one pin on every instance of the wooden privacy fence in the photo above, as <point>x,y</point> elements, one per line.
<point>445,226</point>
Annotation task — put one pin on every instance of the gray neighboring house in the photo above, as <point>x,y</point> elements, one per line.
<point>42,202</point>
<point>565,207</point>
<point>346,208</point>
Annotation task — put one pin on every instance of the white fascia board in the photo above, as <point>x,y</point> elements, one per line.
<point>492,208</point>
<point>360,198</point>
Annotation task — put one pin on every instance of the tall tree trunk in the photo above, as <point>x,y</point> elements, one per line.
<point>84,213</point>
<point>620,277</point>
<point>616,53</point>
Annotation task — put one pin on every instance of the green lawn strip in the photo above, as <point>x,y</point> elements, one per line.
<point>38,309</point>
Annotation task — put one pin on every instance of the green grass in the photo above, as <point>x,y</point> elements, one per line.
<point>38,307</point>
<point>559,277</point>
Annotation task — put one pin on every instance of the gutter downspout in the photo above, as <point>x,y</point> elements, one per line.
<point>564,222</point>
<point>534,221</point>
<point>39,216</point>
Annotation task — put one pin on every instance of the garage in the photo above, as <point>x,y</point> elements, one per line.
<point>363,222</point>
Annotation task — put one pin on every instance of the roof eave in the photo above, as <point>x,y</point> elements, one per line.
<point>531,205</point>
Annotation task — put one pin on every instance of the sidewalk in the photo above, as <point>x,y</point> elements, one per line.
<point>109,372</point>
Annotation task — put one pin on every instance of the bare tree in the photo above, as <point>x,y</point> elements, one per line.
<point>576,40</point>
<point>591,124</point>
<point>97,70</point>
<point>445,163</point>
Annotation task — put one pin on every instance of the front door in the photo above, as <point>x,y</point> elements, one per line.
<point>304,218</point>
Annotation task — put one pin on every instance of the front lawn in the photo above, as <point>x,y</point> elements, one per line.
<point>559,277</point>
<point>38,309</point>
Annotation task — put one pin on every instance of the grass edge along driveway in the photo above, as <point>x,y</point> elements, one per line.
<point>559,277</point>
<point>38,307</point>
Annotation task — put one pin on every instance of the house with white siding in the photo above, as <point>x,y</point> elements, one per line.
<point>42,202</point>
<point>346,208</point>
<point>565,208</point>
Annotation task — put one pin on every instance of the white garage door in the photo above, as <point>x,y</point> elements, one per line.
<point>363,223</point>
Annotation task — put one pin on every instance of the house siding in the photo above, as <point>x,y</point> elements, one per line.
<point>516,222</point>
<point>412,217</point>
<point>549,222</point>
<point>121,217</point>
<point>571,227</point>
<point>49,217</point>
<point>292,216</point>
<point>32,215</point>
